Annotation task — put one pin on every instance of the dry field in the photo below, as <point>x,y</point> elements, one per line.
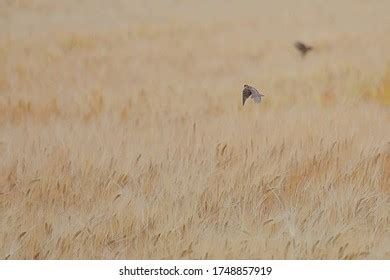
<point>123,135</point>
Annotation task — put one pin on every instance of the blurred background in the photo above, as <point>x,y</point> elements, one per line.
<point>198,50</point>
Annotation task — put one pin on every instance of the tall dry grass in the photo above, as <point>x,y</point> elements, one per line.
<point>122,133</point>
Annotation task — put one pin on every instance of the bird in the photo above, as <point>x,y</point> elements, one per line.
<point>303,48</point>
<point>249,91</point>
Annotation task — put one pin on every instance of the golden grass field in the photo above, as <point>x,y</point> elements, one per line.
<point>123,135</point>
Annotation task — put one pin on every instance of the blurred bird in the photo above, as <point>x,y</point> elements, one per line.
<point>249,91</point>
<point>302,48</point>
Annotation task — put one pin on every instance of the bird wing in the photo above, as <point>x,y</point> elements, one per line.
<point>256,97</point>
<point>300,46</point>
<point>245,95</point>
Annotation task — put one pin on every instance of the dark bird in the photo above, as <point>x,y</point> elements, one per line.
<point>302,48</point>
<point>251,92</point>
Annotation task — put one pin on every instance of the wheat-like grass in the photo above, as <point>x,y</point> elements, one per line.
<point>122,133</point>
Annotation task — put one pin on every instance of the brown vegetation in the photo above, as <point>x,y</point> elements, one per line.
<point>122,133</point>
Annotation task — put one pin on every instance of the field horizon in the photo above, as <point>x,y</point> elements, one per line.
<point>123,135</point>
